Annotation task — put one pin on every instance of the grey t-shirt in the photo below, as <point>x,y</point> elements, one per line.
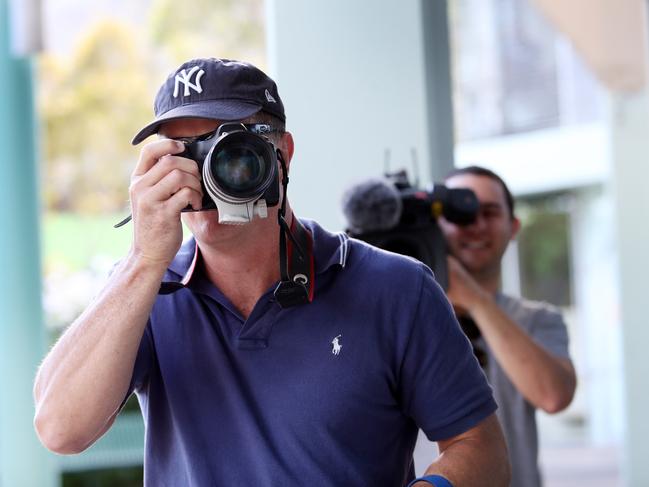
<point>545,325</point>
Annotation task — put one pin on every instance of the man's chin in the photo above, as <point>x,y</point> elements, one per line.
<point>200,216</point>
<point>474,265</point>
<point>202,222</point>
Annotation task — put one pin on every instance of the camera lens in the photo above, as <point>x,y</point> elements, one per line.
<point>238,169</point>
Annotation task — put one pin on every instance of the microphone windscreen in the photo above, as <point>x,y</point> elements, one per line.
<point>371,206</point>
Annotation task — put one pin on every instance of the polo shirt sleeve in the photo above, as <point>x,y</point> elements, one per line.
<point>442,386</point>
<point>142,366</point>
<point>549,330</point>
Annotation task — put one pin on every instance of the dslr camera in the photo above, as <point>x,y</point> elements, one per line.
<point>238,165</point>
<point>391,214</point>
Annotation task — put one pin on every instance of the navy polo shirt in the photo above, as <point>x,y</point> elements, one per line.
<point>329,393</point>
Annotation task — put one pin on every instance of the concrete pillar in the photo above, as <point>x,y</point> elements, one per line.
<point>23,461</point>
<point>358,79</point>
<point>439,91</point>
<point>596,339</point>
<point>630,119</point>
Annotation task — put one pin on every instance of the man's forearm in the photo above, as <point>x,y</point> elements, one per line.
<point>544,380</point>
<point>477,458</point>
<point>85,376</point>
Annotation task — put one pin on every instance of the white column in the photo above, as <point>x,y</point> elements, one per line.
<point>596,338</point>
<point>630,125</point>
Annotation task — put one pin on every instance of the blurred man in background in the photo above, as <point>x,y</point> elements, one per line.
<point>522,345</point>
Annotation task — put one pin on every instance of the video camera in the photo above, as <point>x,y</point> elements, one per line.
<point>391,214</point>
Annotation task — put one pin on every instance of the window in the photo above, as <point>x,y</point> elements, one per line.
<point>544,250</point>
<point>512,72</point>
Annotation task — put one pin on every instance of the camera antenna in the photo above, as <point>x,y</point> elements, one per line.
<point>415,165</point>
<point>386,161</point>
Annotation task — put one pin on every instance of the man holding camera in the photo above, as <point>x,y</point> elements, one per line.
<point>264,350</point>
<point>524,343</point>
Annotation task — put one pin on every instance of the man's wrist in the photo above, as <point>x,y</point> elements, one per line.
<point>436,480</point>
<point>482,299</point>
<point>141,263</point>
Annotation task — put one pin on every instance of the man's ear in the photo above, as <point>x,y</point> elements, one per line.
<point>516,226</point>
<point>287,146</point>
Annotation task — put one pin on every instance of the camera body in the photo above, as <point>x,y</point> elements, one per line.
<point>238,165</point>
<point>416,232</point>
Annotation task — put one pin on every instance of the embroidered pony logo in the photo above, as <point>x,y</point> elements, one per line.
<point>336,347</point>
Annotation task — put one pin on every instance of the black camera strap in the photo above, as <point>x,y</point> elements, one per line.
<point>123,222</point>
<point>296,263</point>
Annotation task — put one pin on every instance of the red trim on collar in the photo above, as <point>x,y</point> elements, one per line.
<point>311,266</point>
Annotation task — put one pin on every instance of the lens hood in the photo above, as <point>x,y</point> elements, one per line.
<point>240,166</point>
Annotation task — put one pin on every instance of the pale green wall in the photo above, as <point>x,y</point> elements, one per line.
<point>23,461</point>
<point>357,78</point>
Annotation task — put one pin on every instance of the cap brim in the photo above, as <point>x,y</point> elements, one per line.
<point>227,110</point>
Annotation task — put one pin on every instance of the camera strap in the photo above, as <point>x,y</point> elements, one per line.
<point>296,263</point>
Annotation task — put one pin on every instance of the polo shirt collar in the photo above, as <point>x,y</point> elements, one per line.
<point>329,250</point>
<point>184,263</point>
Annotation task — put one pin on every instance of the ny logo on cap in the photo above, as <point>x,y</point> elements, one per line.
<point>185,78</point>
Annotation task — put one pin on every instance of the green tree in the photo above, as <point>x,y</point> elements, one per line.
<point>91,106</point>
<point>93,103</point>
<point>232,29</point>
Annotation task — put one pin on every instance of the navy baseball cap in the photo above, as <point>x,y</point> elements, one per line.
<point>220,89</point>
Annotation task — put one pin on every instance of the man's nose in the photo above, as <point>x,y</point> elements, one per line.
<point>479,224</point>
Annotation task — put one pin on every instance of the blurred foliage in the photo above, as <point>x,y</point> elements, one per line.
<point>79,252</point>
<point>131,405</point>
<point>544,253</point>
<point>90,105</point>
<point>122,477</point>
<point>209,28</point>
<point>93,101</point>
<point>73,240</point>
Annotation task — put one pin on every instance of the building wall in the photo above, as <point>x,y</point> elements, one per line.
<point>352,78</point>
